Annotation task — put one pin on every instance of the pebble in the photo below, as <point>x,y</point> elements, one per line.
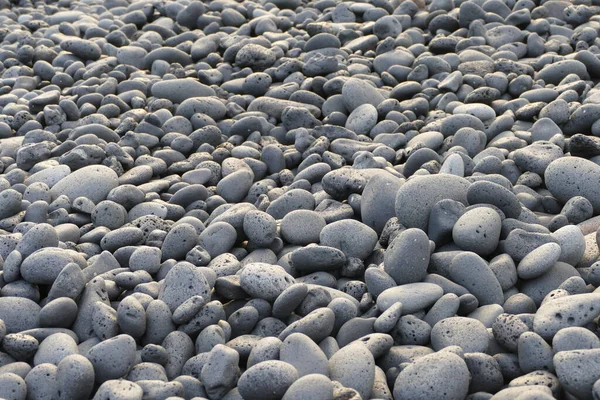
<point>354,367</point>
<point>413,296</point>
<point>93,182</point>
<point>470,334</point>
<point>407,257</point>
<point>275,377</point>
<point>438,375</point>
<point>416,198</point>
<point>192,194</point>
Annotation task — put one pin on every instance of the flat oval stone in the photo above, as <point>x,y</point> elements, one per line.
<point>93,182</point>
<point>576,310</point>
<point>354,367</point>
<point>468,333</point>
<point>380,189</point>
<point>19,314</point>
<point>478,230</point>
<point>539,261</point>
<point>407,257</point>
<point>568,177</point>
<point>430,375</point>
<point>178,90</point>
<point>471,271</point>
<point>418,195</point>
<point>268,380</point>
<point>578,370</point>
<point>265,281</point>
<point>413,296</point>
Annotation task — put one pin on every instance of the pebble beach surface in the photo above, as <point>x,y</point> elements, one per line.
<point>299,199</point>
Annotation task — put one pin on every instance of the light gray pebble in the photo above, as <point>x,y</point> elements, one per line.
<point>267,380</point>
<point>112,358</point>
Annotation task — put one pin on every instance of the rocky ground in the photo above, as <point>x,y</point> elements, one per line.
<point>299,200</point>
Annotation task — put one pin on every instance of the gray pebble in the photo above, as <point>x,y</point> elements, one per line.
<point>267,380</point>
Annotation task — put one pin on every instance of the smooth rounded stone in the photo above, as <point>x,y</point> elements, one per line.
<point>380,189</point>
<point>19,346</point>
<point>519,242</point>
<point>470,334</point>
<point>315,258</point>
<point>317,325</point>
<point>10,203</point>
<point>93,182</point>
<point>218,238</point>
<point>572,243</point>
<point>353,238</point>
<point>538,378</point>
<point>553,73</point>
<point>441,375</point>
<point>235,186</point>
<point>267,380</point>
<point>485,192</point>
<point>480,111</point>
<point>260,228</point>
<point>536,157</point>
<point>221,371</point>
<point>131,317</point>
<point>519,304</point>
<point>362,119</point>
<point>41,382</point>
<point>569,311</point>
<point>471,271</point>
<point>485,373</point>
<point>445,307</point>
<point>442,219</point>
<point>527,392</point>
<point>12,386</point>
<point>478,230</point>
<point>539,261</point>
<point>353,329</point>
<point>577,371</point>
<point>357,92</point>
<point>413,296</point>
<point>411,330</point>
<point>534,353</point>
<point>182,282</point>
<point>302,227</point>
<point>313,386</point>
<point>574,338</point>
<point>58,313</point>
<point>54,348</point>
<point>178,242</point>
<point>388,319</point>
<point>19,314</point>
<point>289,300</point>
<point>38,237</point>
<point>113,358</point>
<point>407,257</point>
<point>255,56</point>
<point>265,349</point>
<point>305,355</point>
<point>73,377</point>
<point>507,329</point>
<point>50,176</point>
<point>178,90</point>
<point>354,367</point>
<point>145,258</point>
<point>578,209</point>
<point>539,287</point>
<point>119,390</point>
<point>416,197</point>
<point>265,281</point>
<point>569,177</point>
<point>54,260</point>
